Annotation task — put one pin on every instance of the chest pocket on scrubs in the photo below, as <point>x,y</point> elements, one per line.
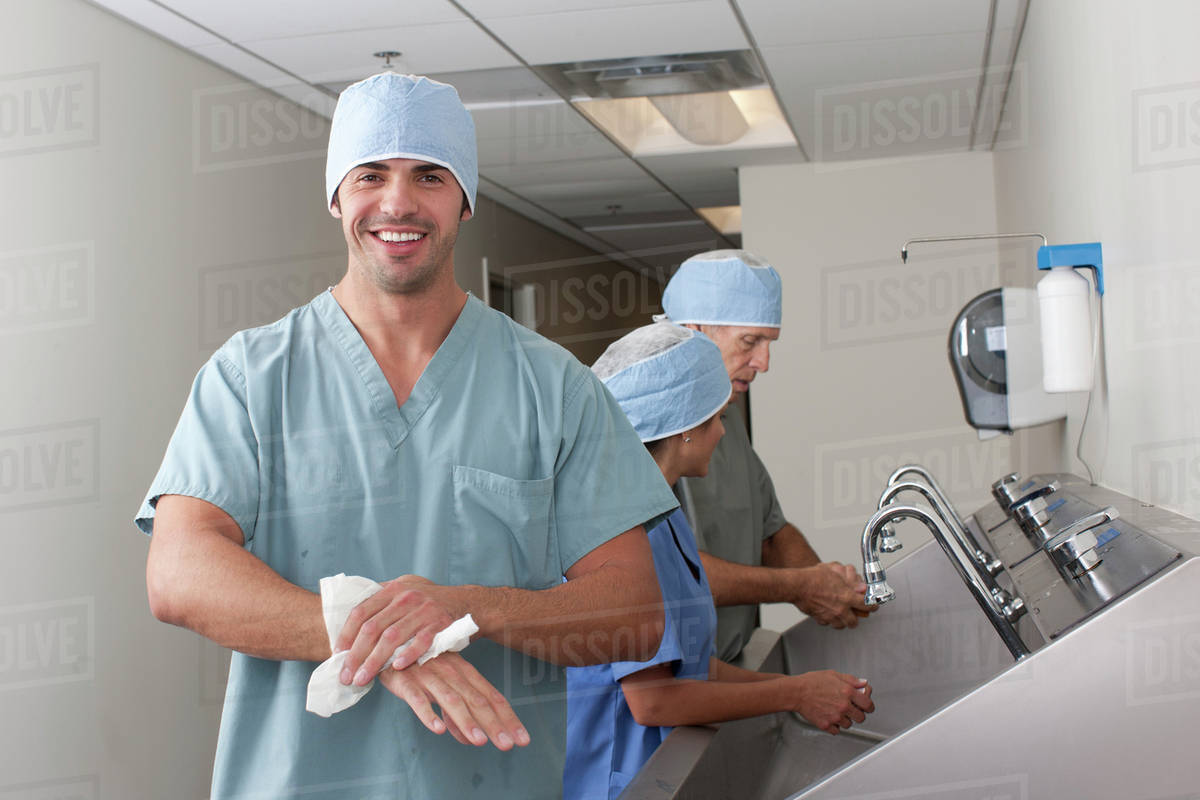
<point>502,534</point>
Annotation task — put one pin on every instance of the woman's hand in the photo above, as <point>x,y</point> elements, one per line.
<point>831,700</point>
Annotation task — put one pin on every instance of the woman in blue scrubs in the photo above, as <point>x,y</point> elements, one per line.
<point>672,384</point>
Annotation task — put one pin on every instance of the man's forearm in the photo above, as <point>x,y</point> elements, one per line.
<point>200,579</point>
<point>612,614</point>
<point>788,547</point>
<point>734,584</point>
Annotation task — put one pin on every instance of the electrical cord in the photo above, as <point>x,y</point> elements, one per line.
<point>1098,377</point>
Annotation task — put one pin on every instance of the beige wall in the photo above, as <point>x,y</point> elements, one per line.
<point>142,222</point>
<point>859,381</point>
<point>1114,144</point>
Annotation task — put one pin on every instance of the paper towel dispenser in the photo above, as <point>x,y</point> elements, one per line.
<point>996,355</point>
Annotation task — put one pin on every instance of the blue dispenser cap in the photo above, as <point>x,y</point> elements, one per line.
<point>1086,255</point>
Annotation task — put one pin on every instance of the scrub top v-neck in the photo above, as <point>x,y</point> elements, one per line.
<point>398,420</point>
<point>507,462</point>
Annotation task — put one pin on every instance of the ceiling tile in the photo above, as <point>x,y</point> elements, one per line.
<point>528,152</point>
<point>506,85</point>
<point>605,191</point>
<point>681,177</point>
<point>837,65</point>
<point>707,199</point>
<point>240,62</point>
<point>587,203</point>
<point>811,80</point>
<point>541,215</point>
<point>645,30</point>
<point>705,163</point>
<point>255,21</point>
<point>348,55</point>
<point>1002,44</point>
<point>161,21</point>
<point>776,23</point>
<point>620,221</point>
<point>581,173</point>
<point>520,8</point>
<point>548,121</point>
<point>1008,13</point>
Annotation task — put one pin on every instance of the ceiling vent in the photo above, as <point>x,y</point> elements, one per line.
<point>652,76</point>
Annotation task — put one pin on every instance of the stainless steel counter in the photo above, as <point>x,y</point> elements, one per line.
<point>1104,705</point>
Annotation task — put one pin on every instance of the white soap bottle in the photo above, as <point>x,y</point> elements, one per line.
<point>1064,299</point>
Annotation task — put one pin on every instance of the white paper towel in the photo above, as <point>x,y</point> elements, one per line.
<point>340,593</point>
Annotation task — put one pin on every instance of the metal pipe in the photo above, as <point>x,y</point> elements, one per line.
<point>970,544</point>
<point>967,238</point>
<point>995,594</point>
<point>879,592</point>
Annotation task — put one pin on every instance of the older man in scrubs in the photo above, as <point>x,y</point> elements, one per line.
<point>751,553</point>
<point>396,428</point>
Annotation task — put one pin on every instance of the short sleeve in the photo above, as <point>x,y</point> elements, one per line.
<point>213,453</point>
<point>605,480</point>
<point>668,653</point>
<point>772,518</point>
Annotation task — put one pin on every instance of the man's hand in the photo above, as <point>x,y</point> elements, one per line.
<point>473,710</point>
<point>408,609</point>
<point>832,594</point>
<point>831,700</point>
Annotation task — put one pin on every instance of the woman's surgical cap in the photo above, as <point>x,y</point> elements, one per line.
<point>667,379</point>
<point>724,287</point>
<point>402,116</point>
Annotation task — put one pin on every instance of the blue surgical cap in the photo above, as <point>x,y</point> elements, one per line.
<point>725,287</point>
<point>666,378</point>
<point>402,116</point>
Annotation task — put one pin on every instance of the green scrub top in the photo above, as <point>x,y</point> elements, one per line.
<point>733,509</point>
<point>507,463</point>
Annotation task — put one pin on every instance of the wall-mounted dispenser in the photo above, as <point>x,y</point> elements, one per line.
<point>1064,299</point>
<point>1015,351</point>
<point>996,357</point>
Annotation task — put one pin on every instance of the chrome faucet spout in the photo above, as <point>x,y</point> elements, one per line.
<point>969,543</point>
<point>927,476</point>
<point>878,590</point>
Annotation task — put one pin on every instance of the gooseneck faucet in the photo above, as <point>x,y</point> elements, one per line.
<point>1010,607</point>
<point>879,592</point>
<point>970,544</point>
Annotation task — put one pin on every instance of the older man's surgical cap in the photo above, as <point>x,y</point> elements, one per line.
<point>724,287</point>
<point>402,116</point>
<point>667,379</point>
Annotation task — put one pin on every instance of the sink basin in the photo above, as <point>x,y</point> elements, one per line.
<point>1104,705</point>
<point>922,650</point>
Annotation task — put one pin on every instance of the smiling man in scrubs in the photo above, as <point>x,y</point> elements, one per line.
<point>751,553</point>
<point>398,429</point>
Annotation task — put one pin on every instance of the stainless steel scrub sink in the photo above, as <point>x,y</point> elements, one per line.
<point>1109,669</point>
<point>926,647</point>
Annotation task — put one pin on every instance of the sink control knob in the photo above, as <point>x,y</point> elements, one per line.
<point>1033,517</point>
<point>1004,490</point>
<point>1030,510</point>
<point>1074,547</point>
<point>1036,491</point>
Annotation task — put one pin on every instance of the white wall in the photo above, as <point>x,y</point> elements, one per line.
<point>1114,156</point>
<point>859,381</point>
<point>152,205</point>
<point>134,240</point>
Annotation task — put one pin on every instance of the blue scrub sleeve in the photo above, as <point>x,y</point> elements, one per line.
<point>213,454</point>
<point>605,480</point>
<point>669,652</point>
